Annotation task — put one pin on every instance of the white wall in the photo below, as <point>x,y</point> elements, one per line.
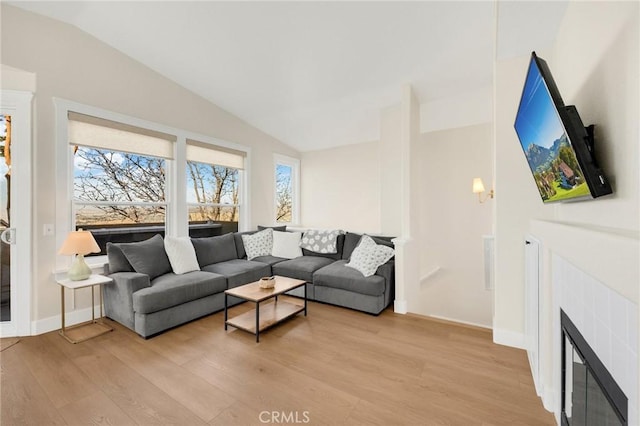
<point>595,64</point>
<point>596,69</point>
<point>72,65</point>
<point>390,171</point>
<point>17,79</point>
<point>452,223</point>
<point>341,188</point>
<point>460,110</point>
<point>517,201</point>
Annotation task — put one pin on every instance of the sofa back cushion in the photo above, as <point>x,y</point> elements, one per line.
<point>281,228</point>
<point>212,250</point>
<point>117,260</point>
<point>335,256</point>
<point>147,257</point>
<point>351,241</point>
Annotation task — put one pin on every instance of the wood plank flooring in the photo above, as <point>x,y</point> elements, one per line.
<point>336,366</point>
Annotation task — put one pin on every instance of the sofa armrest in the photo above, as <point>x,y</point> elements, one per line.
<point>388,271</point>
<point>118,296</point>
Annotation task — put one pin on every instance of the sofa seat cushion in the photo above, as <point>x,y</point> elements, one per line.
<point>170,290</point>
<point>338,275</point>
<point>269,260</point>
<point>301,267</point>
<point>240,271</point>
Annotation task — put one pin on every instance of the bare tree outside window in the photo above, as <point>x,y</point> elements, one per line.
<point>212,192</point>
<point>284,193</point>
<point>115,186</point>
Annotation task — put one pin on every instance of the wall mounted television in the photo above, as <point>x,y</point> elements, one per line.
<point>557,146</point>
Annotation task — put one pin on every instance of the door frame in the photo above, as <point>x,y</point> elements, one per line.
<point>18,105</point>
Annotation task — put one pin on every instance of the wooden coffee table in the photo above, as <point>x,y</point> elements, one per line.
<point>268,314</point>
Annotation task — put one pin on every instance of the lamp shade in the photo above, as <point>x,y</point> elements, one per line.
<point>478,186</point>
<point>79,242</point>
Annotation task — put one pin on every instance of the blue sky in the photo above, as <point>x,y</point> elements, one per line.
<point>537,120</point>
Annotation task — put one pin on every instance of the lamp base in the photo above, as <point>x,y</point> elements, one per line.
<point>79,269</point>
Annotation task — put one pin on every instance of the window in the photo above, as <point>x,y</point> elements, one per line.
<point>128,179</point>
<point>213,187</point>
<point>287,182</point>
<point>113,188</point>
<point>119,179</point>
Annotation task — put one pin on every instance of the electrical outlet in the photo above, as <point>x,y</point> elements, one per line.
<point>47,229</point>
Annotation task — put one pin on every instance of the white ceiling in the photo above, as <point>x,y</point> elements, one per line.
<point>314,74</point>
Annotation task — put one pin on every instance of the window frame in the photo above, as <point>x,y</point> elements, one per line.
<point>176,212</point>
<point>294,163</point>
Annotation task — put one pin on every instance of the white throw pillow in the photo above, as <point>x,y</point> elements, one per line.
<point>258,244</point>
<point>181,254</point>
<point>368,256</point>
<point>286,244</point>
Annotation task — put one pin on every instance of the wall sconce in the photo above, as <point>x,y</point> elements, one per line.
<point>478,188</point>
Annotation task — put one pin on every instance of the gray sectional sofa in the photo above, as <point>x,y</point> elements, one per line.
<point>147,297</point>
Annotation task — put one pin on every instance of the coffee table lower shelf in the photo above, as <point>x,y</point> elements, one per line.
<point>267,315</point>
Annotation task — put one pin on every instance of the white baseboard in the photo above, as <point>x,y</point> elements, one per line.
<point>509,338</point>
<point>8,329</point>
<point>46,325</point>
<point>400,306</point>
<point>550,402</point>
<point>460,321</point>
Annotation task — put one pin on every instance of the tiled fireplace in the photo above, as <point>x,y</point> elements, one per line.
<point>592,274</point>
<point>608,323</point>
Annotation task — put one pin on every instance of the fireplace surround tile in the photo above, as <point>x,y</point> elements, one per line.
<point>601,300</point>
<point>632,374</point>
<point>619,306</point>
<point>607,320</point>
<point>632,326</point>
<point>602,345</point>
<point>588,295</point>
<point>589,326</point>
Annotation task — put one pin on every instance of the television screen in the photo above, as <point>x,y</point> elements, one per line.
<point>547,145</point>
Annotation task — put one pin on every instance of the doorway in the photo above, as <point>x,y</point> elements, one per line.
<point>5,218</point>
<point>15,214</point>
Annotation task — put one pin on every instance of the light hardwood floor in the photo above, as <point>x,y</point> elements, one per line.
<point>335,366</point>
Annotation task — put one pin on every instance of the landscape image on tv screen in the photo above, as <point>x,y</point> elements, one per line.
<point>549,153</point>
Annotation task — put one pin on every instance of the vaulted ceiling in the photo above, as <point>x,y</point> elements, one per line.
<point>315,74</point>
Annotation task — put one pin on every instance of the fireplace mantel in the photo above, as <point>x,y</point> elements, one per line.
<point>609,255</point>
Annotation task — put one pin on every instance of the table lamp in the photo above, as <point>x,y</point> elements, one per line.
<point>79,243</point>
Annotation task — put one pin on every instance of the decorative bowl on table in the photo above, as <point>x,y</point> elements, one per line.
<point>267,282</point>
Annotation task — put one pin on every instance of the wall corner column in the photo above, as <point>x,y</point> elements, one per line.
<point>400,132</point>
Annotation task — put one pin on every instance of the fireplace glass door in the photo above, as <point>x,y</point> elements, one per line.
<point>588,400</point>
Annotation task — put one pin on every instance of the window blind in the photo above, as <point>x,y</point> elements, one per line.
<point>212,154</point>
<point>99,133</point>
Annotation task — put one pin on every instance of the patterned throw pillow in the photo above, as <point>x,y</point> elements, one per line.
<point>320,241</point>
<point>368,256</point>
<point>258,244</point>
